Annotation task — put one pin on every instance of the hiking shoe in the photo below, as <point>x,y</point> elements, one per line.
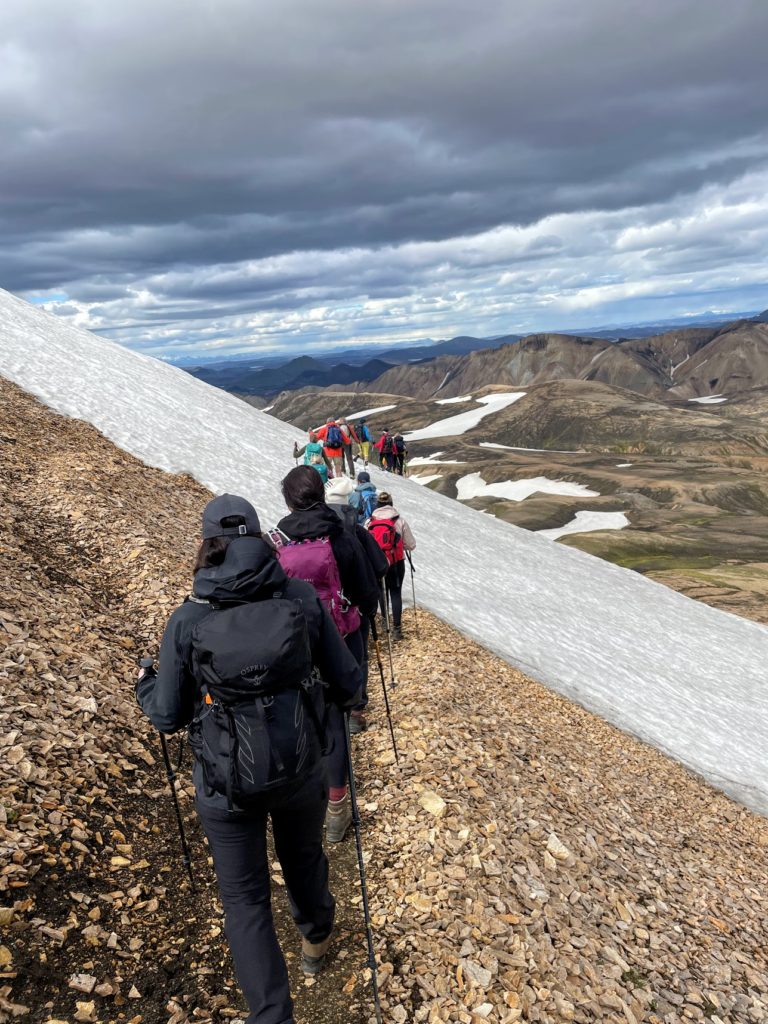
<point>397,633</point>
<point>357,723</point>
<point>338,818</point>
<point>313,956</point>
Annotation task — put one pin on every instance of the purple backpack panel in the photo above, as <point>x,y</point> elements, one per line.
<point>313,561</point>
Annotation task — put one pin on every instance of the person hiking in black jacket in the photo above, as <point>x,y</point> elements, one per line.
<point>311,519</point>
<point>337,495</point>
<point>236,573</point>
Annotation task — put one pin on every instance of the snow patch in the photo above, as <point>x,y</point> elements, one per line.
<point>464,421</point>
<point>680,675</point>
<point>453,401</point>
<point>588,522</point>
<point>433,460</point>
<point>426,478</point>
<point>677,366</point>
<point>709,400</point>
<point>369,412</point>
<point>268,408</point>
<point>513,448</point>
<point>473,486</point>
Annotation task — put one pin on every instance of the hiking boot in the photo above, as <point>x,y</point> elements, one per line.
<point>313,955</point>
<point>338,818</point>
<point>357,723</point>
<point>397,633</point>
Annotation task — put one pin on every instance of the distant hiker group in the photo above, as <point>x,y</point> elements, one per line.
<point>266,666</point>
<point>333,448</point>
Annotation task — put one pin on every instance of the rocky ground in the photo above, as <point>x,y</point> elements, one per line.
<point>526,862</point>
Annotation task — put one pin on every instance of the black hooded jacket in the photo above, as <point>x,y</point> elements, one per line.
<point>359,586</point>
<point>249,572</point>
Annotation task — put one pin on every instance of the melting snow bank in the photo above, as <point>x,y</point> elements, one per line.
<point>453,401</point>
<point>588,522</point>
<point>426,478</point>
<point>685,677</point>
<point>464,421</point>
<point>433,460</point>
<point>473,486</point>
<point>513,448</point>
<point>709,400</point>
<point>369,412</point>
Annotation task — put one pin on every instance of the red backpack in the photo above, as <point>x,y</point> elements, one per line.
<point>389,540</point>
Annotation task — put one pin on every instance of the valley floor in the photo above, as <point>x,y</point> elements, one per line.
<point>528,861</point>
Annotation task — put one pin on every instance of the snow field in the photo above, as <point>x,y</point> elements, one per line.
<point>587,522</point>
<point>689,679</point>
<point>369,412</point>
<point>453,401</point>
<point>473,486</point>
<point>464,421</point>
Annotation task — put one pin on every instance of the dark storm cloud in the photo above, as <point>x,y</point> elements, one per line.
<point>152,155</point>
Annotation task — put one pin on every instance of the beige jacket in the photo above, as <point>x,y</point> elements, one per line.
<point>401,527</point>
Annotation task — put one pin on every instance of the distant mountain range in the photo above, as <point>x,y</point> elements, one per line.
<point>651,364</point>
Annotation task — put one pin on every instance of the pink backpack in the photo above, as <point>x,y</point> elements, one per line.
<point>313,561</point>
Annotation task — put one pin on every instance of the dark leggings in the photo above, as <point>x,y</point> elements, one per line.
<point>238,845</point>
<point>337,758</point>
<point>394,584</point>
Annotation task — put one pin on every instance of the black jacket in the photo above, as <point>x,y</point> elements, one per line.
<point>357,582</point>
<point>249,571</point>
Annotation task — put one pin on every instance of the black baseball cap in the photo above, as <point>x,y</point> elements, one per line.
<point>229,505</point>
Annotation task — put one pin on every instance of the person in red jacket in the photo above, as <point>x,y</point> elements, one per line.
<point>381,447</point>
<point>333,445</point>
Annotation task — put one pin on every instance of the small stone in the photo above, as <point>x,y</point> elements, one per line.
<point>556,848</point>
<point>133,993</point>
<point>83,983</point>
<point>6,956</point>
<point>476,974</point>
<point>432,803</point>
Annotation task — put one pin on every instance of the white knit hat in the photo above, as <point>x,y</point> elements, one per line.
<point>339,487</point>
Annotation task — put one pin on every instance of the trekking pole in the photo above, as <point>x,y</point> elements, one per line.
<point>361,866</point>
<point>147,665</point>
<point>413,591</point>
<point>385,602</point>
<point>375,635</point>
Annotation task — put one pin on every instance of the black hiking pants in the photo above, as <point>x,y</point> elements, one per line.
<point>337,757</point>
<point>239,847</point>
<point>350,458</point>
<point>394,584</point>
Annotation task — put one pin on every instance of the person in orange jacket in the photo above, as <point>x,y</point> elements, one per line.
<point>333,445</point>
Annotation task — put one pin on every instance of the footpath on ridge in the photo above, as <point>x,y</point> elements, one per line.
<point>528,862</point>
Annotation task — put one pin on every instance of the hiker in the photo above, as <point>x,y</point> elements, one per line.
<point>394,537</point>
<point>400,453</point>
<point>333,446</point>
<point>314,545</point>
<point>384,447</point>
<point>363,498</point>
<point>245,629</point>
<point>314,455</point>
<point>349,440</point>
<point>365,441</point>
<point>338,495</point>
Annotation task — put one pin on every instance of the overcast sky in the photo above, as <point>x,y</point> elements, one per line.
<point>195,177</point>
